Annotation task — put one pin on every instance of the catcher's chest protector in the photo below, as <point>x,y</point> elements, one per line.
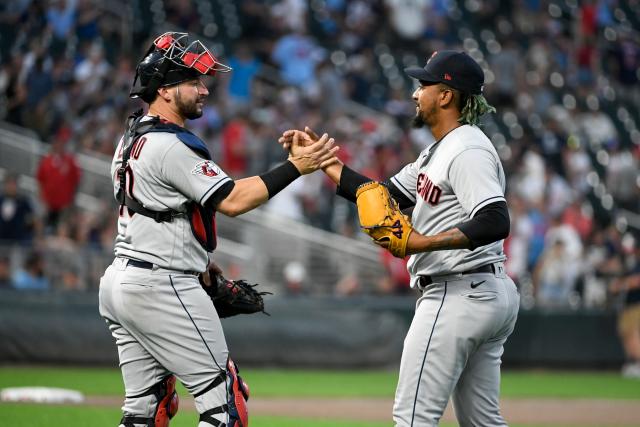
<point>202,219</point>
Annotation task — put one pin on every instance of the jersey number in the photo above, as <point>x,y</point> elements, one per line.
<point>135,153</point>
<point>137,147</point>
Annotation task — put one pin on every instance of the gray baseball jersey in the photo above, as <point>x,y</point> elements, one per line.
<point>160,316</point>
<point>469,305</point>
<point>463,176</point>
<point>160,184</point>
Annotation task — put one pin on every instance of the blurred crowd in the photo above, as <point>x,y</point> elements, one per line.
<point>563,76</point>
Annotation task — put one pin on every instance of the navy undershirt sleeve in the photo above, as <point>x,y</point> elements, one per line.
<point>403,201</point>
<point>350,180</point>
<point>490,224</point>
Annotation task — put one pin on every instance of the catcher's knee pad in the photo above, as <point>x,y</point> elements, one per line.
<point>236,394</point>
<point>166,400</point>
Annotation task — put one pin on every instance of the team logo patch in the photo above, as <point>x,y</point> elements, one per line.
<point>206,167</point>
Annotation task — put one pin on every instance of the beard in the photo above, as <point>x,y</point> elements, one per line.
<point>418,122</point>
<point>189,110</point>
<point>424,118</point>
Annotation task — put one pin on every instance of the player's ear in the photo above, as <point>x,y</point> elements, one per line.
<point>444,97</point>
<point>165,93</point>
<point>447,97</point>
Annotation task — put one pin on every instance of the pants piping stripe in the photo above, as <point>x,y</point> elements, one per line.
<point>201,337</point>
<point>194,324</point>
<point>424,359</point>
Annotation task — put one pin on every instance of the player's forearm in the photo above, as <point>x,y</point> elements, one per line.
<point>334,172</point>
<point>450,239</point>
<point>247,194</point>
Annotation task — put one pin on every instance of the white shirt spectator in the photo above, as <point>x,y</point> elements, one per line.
<point>92,70</point>
<point>598,127</point>
<point>409,17</point>
<point>531,180</point>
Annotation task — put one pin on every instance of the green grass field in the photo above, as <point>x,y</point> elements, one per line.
<point>282,383</point>
<point>26,415</point>
<point>277,383</point>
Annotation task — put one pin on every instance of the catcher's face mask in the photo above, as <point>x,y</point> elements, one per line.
<point>193,55</point>
<point>173,59</point>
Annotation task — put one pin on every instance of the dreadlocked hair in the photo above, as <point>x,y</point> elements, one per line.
<point>474,107</point>
<point>471,107</point>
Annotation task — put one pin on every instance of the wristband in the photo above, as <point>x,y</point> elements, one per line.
<point>279,177</point>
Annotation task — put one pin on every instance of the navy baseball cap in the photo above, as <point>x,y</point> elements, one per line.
<point>455,69</point>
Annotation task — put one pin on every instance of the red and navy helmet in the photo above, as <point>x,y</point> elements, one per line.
<point>173,59</point>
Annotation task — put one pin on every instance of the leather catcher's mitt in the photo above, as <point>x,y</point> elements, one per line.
<point>381,218</point>
<point>232,297</point>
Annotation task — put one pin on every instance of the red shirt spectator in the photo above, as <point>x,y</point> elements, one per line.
<point>574,216</point>
<point>588,19</point>
<point>58,176</point>
<point>234,147</point>
<point>397,279</point>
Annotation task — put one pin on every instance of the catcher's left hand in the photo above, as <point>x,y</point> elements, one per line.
<point>231,297</point>
<point>381,218</point>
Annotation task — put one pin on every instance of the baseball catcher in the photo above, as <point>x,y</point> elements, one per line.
<point>156,295</point>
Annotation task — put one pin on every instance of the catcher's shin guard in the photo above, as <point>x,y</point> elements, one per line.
<point>238,396</point>
<point>166,405</point>
<point>236,407</point>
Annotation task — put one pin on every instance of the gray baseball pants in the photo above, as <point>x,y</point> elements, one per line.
<point>163,322</point>
<point>454,348</point>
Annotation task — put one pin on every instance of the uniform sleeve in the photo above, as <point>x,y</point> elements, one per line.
<point>490,224</point>
<point>405,180</point>
<point>196,178</point>
<point>477,179</point>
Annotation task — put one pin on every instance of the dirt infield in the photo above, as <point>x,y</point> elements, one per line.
<point>583,412</point>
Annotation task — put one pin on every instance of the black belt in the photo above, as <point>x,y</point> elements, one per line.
<point>489,268</point>
<point>149,266</point>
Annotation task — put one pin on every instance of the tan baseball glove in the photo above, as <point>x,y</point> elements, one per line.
<point>381,218</point>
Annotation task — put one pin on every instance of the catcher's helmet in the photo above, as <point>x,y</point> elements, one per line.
<point>170,60</point>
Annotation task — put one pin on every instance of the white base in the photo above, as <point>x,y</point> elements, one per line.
<point>40,395</point>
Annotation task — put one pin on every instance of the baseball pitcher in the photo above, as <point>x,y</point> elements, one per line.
<point>454,238</point>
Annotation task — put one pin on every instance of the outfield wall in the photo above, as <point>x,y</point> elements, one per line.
<point>65,328</point>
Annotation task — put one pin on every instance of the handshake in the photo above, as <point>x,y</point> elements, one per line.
<point>379,214</point>
<point>308,152</point>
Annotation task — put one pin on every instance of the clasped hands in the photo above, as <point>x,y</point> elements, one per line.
<point>299,143</point>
